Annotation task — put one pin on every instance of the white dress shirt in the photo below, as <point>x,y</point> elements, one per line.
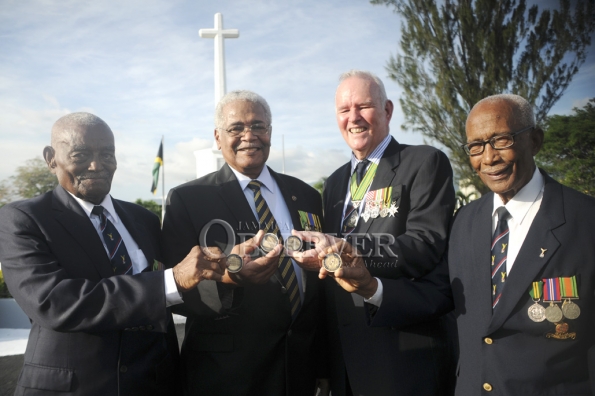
<point>274,198</point>
<point>522,208</point>
<point>139,261</point>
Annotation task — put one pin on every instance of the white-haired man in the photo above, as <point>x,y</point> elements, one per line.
<point>521,263</point>
<point>253,333</point>
<point>393,202</point>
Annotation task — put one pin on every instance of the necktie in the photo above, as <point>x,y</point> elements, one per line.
<point>268,224</point>
<point>350,217</point>
<point>499,254</point>
<point>118,255</point>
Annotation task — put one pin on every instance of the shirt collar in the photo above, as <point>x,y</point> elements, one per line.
<point>265,178</point>
<point>375,155</point>
<point>520,204</point>
<point>108,206</point>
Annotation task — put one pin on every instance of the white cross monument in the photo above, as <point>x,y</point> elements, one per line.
<point>211,160</point>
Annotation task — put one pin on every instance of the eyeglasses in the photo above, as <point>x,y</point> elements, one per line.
<point>498,142</point>
<point>256,129</point>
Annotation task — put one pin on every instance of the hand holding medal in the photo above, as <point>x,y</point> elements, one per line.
<point>311,259</point>
<point>245,265</point>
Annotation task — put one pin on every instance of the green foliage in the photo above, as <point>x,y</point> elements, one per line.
<point>463,199</point>
<point>455,53</point>
<point>3,288</point>
<point>5,193</point>
<point>320,184</point>
<point>150,205</point>
<point>568,152</point>
<point>33,179</point>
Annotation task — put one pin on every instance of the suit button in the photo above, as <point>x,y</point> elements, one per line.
<point>289,333</point>
<point>123,369</point>
<point>487,387</point>
<point>488,340</point>
<point>150,327</point>
<point>142,328</point>
<point>283,290</point>
<point>134,328</point>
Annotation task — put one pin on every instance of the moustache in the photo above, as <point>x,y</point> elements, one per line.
<point>252,146</point>
<point>94,175</point>
<point>494,170</point>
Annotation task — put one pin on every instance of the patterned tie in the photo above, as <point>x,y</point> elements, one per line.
<point>499,254</point>
<point>268,224</point>
<point>118,255</point>
<point>360,170</point>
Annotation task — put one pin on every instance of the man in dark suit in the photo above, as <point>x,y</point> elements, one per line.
<point>253,333</point>
<point>392,202</point>
<point>521,262</point>
<point>84,268</point>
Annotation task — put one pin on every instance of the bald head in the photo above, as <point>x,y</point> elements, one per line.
<point>82,156</point>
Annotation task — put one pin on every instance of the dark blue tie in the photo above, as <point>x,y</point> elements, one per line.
<point>118,255</point>
<point>499,255</point>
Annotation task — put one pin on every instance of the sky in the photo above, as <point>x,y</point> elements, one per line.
<point>141,66</point>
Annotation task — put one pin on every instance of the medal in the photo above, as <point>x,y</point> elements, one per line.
<point>384,212</point>
<point>234,263</point>
<point>374,210</point>
<point>332,262</point>
<point>553,313</point>
<point>569,291</point>
<point>536,312</point>
<point>293,243</point>
<point>366,216</point>
<point>393,209</point>
<point>352,219</point>
<point>269,241</point>
<point>561,332</point>
<point>551,294</point>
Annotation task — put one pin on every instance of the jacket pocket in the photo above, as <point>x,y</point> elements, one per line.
<point>46,378</point>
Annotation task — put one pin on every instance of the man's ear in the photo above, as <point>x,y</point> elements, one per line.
<point>536,140</point>
<point>49,154</point>
<point>216,134</point>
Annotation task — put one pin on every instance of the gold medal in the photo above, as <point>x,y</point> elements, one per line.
<point>332,262</point>
<point>293,243</point>
<point>553,313</point>
<point>269,241</point>
<point>234,263</point>
<point>570,310</point>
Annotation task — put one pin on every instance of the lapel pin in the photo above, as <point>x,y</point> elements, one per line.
<point>542,255</point>
<point>294,197</point>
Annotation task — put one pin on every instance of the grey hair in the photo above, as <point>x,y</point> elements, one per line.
<point>366,75</point>
<point>523,108</point>
<point>70,121</point>
<point>240,95</point>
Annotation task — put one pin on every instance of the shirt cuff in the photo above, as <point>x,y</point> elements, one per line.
<point>172,295</point>
<point>376,299</point>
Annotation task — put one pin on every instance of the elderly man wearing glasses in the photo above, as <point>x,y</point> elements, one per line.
<point>522,266</point>
<point>252,333</point>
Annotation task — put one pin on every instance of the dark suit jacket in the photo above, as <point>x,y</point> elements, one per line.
<point>92,333</point>
<point>521,360</point>
<point>406,358</point>
<point>253,348</point>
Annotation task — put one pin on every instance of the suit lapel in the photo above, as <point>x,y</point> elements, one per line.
<point>384,177</point>
<point>231,193</point>
<point>528,263</point>
<point>337,194</point>
<point>76,223</point>
<point>134,229</point>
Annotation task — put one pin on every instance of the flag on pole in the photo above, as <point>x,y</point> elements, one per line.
<point>156,166</point>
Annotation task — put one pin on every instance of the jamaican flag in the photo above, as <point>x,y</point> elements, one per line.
<point>156,166</point>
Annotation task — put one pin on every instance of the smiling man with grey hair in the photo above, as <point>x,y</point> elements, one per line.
<point>521,261</point>
<point>253,333</point>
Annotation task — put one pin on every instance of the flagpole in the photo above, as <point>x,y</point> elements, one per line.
<point>162,181</point>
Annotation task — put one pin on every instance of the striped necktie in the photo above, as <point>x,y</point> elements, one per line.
<point>499,255</point>
<point>268,224</point>
<point>352,210</point>
<point>117,253</point>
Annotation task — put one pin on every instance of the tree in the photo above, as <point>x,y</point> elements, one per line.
<point>33,179</point>
<point>150,205</point>
<point>568,152</point>
<point>458,52</point>
<point>5,194</point>
<point>320,184</point>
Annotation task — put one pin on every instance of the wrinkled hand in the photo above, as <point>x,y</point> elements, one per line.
<point>256,270</point>
<point>199,264</point>
<point>311,260</point>
<point>353,276</point>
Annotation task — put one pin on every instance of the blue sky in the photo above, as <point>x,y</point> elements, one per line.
<point>141,66</point>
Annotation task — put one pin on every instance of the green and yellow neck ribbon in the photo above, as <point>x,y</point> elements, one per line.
<point>358,191</point>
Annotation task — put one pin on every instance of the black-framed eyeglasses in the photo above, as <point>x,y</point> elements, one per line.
<point>498,142</point>
<point>240,129</point>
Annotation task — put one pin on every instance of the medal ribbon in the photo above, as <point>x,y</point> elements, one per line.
<point>535,290</point>
<point>551,290</point>
<point>358,191</point>
<point>568,287</point>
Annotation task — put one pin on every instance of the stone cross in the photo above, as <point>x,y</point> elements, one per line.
<point>218,33</point>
